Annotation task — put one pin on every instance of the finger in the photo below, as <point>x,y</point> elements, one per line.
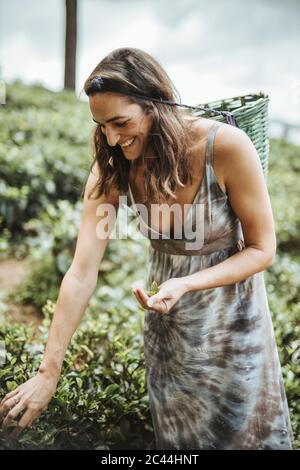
<point>135,292</point>
<point>145,297</point>
<point>157,298</point>
<point>10,403</point>
<point>16,432</point>
<point>9,395</point>
<point>139,299</point>
<point>165,306</point>
<point>31,421</point>
<point>37,415</point>
<point>147,300</point>
<point>21,427</point>
<point>159,305</point>
<point>25,422</point>
<point>12,414</point>
<point>153,301</point>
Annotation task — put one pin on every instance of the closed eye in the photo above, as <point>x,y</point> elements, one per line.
<point>122,124</point>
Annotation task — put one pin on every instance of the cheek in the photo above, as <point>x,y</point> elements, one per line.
<point>143,128</point>
<point>144,131</point>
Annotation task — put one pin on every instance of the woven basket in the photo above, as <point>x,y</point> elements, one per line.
<point>251,114</point>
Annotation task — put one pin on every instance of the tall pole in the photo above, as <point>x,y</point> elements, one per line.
<point>70,44</point>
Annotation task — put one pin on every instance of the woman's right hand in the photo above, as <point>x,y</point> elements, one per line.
<point>31,397</point>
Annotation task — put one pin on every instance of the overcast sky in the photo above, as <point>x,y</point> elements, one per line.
<point>211,50</point>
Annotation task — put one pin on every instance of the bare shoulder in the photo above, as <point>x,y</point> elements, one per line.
<point>91,188</point>
<point>239,173</point>
<point>247,190</point>
<point>234,153</point>
<point>200,128</point>
<point>230,138</point>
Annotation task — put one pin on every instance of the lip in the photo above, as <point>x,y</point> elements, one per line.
<point>121,143</point>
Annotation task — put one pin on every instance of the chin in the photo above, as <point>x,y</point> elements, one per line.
<point>132,157</point>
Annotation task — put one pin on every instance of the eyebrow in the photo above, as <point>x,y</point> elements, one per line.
<point>110,120</point>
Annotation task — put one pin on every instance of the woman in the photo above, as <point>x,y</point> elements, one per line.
<point>213,372</point>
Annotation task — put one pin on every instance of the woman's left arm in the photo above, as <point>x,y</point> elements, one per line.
<point>248,195</point>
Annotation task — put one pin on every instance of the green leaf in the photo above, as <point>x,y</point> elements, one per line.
<point>11,385</point>
<point>154,288</point>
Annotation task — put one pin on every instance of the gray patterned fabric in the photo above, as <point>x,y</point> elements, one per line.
<point>213,373</point>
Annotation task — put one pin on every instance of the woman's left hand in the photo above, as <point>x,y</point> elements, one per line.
<point>169,293</point>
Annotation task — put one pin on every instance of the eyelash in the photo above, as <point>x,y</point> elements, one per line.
<point>117,125</point>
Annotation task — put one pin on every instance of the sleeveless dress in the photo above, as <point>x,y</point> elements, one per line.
<point>213,374</point>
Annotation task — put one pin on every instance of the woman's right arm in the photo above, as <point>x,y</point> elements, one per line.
<point>76,289</point>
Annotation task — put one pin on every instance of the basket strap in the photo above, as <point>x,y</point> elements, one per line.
<point>99,83</point>
<point>209,151</point>
<point>230,118</point>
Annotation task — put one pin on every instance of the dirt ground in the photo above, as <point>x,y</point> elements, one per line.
<point>12,273</point>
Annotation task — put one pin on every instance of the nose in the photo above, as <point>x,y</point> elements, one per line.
<point>112,137</point>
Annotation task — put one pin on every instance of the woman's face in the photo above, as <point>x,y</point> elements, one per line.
<point>121,122</point>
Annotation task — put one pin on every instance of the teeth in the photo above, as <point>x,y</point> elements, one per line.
<point>126,144</point>
<point>129,142</point>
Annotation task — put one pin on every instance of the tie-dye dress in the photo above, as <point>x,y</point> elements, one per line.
<point>212,367</point>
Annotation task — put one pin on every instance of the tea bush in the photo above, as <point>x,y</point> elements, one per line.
<point>101,400</point>
<point>44,153</point>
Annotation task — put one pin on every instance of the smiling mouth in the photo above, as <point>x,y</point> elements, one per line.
<point>130,145</point>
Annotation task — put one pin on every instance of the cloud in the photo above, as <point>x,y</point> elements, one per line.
<point>41,24</point>
<point>210,49</point>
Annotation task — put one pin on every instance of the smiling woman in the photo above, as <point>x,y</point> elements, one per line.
<point>212,365</point>
<point>211,298</point>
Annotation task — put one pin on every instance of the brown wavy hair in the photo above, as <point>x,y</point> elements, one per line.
<point>133,70</point>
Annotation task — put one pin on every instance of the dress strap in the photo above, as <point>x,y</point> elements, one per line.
<point>209,170</point>
<point>209,151</point>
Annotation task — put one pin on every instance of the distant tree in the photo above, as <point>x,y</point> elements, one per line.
<point>70,44</point>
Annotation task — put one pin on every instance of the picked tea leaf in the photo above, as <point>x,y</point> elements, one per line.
<point>153,288</point>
